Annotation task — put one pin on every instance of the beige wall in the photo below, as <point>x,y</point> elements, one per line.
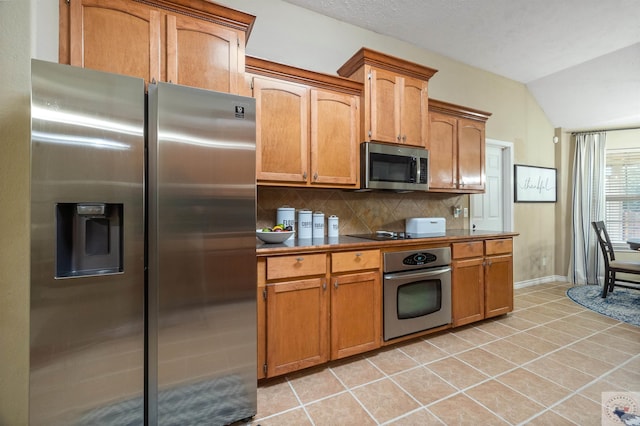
<point>14,211</point>
<point>295,36</point>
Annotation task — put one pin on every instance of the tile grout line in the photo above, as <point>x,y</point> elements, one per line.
<point>580,389</point>
<point>495,377</point>
<point>567,346</point>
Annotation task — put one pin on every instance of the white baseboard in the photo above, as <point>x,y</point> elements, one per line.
<point>541,280</point>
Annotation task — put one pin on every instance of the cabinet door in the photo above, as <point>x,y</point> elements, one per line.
<point>282,131</point>
<point>498,281</point>
<point>471,155</point>
<point>467,292</point>
<point>334,138</point>
<point>355,314</point>
<point>385,106</point>
<point>203,54</point>
<point>442,151</point>
<point>414,113</point>
<point>297,325</point>
<point>117,36</point>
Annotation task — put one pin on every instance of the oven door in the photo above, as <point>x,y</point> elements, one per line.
<point>416,301</point>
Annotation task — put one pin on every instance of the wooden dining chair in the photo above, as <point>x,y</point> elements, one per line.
<point>613,266</point>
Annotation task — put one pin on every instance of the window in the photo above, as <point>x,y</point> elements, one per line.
<point>622,195</point>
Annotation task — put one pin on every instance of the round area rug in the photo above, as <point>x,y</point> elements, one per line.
<point>623,304</point>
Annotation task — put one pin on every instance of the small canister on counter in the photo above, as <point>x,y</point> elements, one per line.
<point>287,216</point>
<point>332,223</point>
<point>305,224</point>
<point>318,225</point>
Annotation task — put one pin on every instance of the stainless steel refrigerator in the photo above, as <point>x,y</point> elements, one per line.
<point>143,278</point>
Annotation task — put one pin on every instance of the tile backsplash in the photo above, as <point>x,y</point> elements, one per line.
<point>361,212</point>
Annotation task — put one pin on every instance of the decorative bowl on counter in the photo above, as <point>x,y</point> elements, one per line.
<point>274,237</point>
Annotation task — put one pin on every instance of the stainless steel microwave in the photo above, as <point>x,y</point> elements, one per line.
<point>394,167</point>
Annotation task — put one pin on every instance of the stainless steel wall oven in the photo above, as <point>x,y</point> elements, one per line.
<point>416,291</point>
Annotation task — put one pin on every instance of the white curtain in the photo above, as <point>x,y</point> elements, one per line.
<point>588,206</point>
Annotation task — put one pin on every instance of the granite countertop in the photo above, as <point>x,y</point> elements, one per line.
<point>343,242</point>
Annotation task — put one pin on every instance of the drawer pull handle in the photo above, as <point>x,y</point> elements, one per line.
<point>299,259</point>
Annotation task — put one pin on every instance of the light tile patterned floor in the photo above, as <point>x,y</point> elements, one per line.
<point>546,363</point>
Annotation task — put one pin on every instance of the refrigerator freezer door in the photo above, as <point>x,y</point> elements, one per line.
<point>202,273</point>
<point>87,246</point>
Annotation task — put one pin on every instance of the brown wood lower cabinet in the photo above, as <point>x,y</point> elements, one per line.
<point>355,314</point>
<point>482,280</point>
<point>467,295</point>
<point>467,282</point>
<point>297,325</point>
<point>498,277</point>
<point>310,316</point>
<point>316,307</point>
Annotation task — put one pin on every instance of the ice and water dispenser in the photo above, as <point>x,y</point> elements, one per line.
<point>88,239</point>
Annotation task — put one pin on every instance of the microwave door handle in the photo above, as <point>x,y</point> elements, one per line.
<point>415,170</point>
<point>419,274</point>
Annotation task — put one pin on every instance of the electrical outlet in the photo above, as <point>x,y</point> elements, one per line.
<point>456,211</point>
<point>465,212</point>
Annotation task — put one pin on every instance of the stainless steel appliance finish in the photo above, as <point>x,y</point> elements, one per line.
<point>101,352</point>
<point>416,291</point>
<point>202,271</point>
<point>87,329</point>
<point>393,167</point>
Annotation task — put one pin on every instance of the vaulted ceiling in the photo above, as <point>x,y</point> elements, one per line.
<point>579,58</point>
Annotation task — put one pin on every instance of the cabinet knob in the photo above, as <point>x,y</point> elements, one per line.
<point>399,137</point>
<point>335,284</point>
<point>404,138</point>
<point>315,176</point>
<point>324,285</point>
<point>304,175</point>
<point>299,259</point>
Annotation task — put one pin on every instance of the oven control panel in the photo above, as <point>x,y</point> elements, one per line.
<point>397,261</point>
<point>419,259</point>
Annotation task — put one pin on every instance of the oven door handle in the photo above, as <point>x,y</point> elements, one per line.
<point>419,274</point>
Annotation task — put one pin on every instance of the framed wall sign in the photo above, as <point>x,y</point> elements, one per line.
<point>535,184</point>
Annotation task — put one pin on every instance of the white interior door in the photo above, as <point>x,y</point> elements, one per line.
<point>493,210</point>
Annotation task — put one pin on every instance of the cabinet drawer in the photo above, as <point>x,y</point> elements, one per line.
<point>504,245</point>
<point>355,260</point>
<point>296,266</point>
<point>470,249</point>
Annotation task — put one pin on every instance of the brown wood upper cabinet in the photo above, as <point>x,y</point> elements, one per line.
<point>307,126</point>
<point>395,105</point>
<point>189,42</point>
<point>456,148</point>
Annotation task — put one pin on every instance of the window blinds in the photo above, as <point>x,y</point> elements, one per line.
<point>622,195</point>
